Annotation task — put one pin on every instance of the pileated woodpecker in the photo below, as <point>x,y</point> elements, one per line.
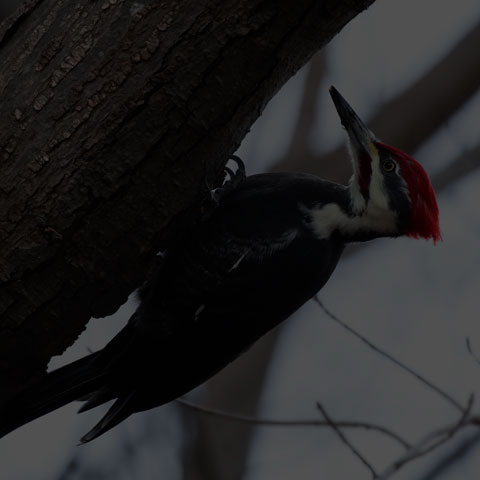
<point>271,243</point>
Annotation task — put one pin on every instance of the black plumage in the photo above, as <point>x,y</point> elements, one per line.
<point>270,244</point>
<point>250,265</point>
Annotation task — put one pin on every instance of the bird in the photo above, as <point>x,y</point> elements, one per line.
<point>269,244</point>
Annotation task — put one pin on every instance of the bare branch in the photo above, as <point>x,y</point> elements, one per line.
<point>292,423</point>
<point>390,357</point>
<point>431,442</point>
<point>470,350</point>
<point>346,441</point>
<point>434,439</point>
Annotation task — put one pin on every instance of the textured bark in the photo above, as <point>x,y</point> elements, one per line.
<point>114,114</point>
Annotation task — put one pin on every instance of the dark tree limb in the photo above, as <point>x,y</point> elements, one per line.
<point>114,117</point>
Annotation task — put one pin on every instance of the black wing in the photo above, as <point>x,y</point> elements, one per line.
<point>235,277</point>
<point>250,266</point>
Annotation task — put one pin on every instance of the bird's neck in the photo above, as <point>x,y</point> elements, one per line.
<point>353,222</point>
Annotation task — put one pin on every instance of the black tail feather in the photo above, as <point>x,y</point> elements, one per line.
<point>56,389</point>
<point>95,399</point>
<point>119,411</point>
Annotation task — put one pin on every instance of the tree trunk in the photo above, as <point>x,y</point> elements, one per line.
<point>115,117</point>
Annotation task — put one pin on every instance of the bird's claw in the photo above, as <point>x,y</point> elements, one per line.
<point>240,173</point>
<point>235,178</point>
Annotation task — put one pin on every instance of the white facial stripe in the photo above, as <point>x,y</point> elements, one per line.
<point>378,194</point>
<point>358,201</point>
<point>331,218</point>
<point>372,215</point>
<point>376,181</point>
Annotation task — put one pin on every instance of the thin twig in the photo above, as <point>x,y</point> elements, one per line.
<point>470,350</point>
<point>385,354</point>
<point>346,441</point>
<point>292,423</point>
<point>428,443</point>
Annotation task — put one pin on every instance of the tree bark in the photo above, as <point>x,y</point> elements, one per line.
<point>115,116</point>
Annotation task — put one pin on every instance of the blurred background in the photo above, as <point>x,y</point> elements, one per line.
<point>411,70</point>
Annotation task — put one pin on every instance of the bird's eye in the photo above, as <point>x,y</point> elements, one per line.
<point>388,166</point>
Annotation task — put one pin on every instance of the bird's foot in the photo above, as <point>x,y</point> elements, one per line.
<point>234,179</point>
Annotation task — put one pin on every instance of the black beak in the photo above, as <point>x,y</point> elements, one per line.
<point>360,135</point>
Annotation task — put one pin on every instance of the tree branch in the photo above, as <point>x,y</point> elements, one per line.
<point>431,442</point>
<point>446,396</point>
<point>268,422</point>
<point>335,427</point>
